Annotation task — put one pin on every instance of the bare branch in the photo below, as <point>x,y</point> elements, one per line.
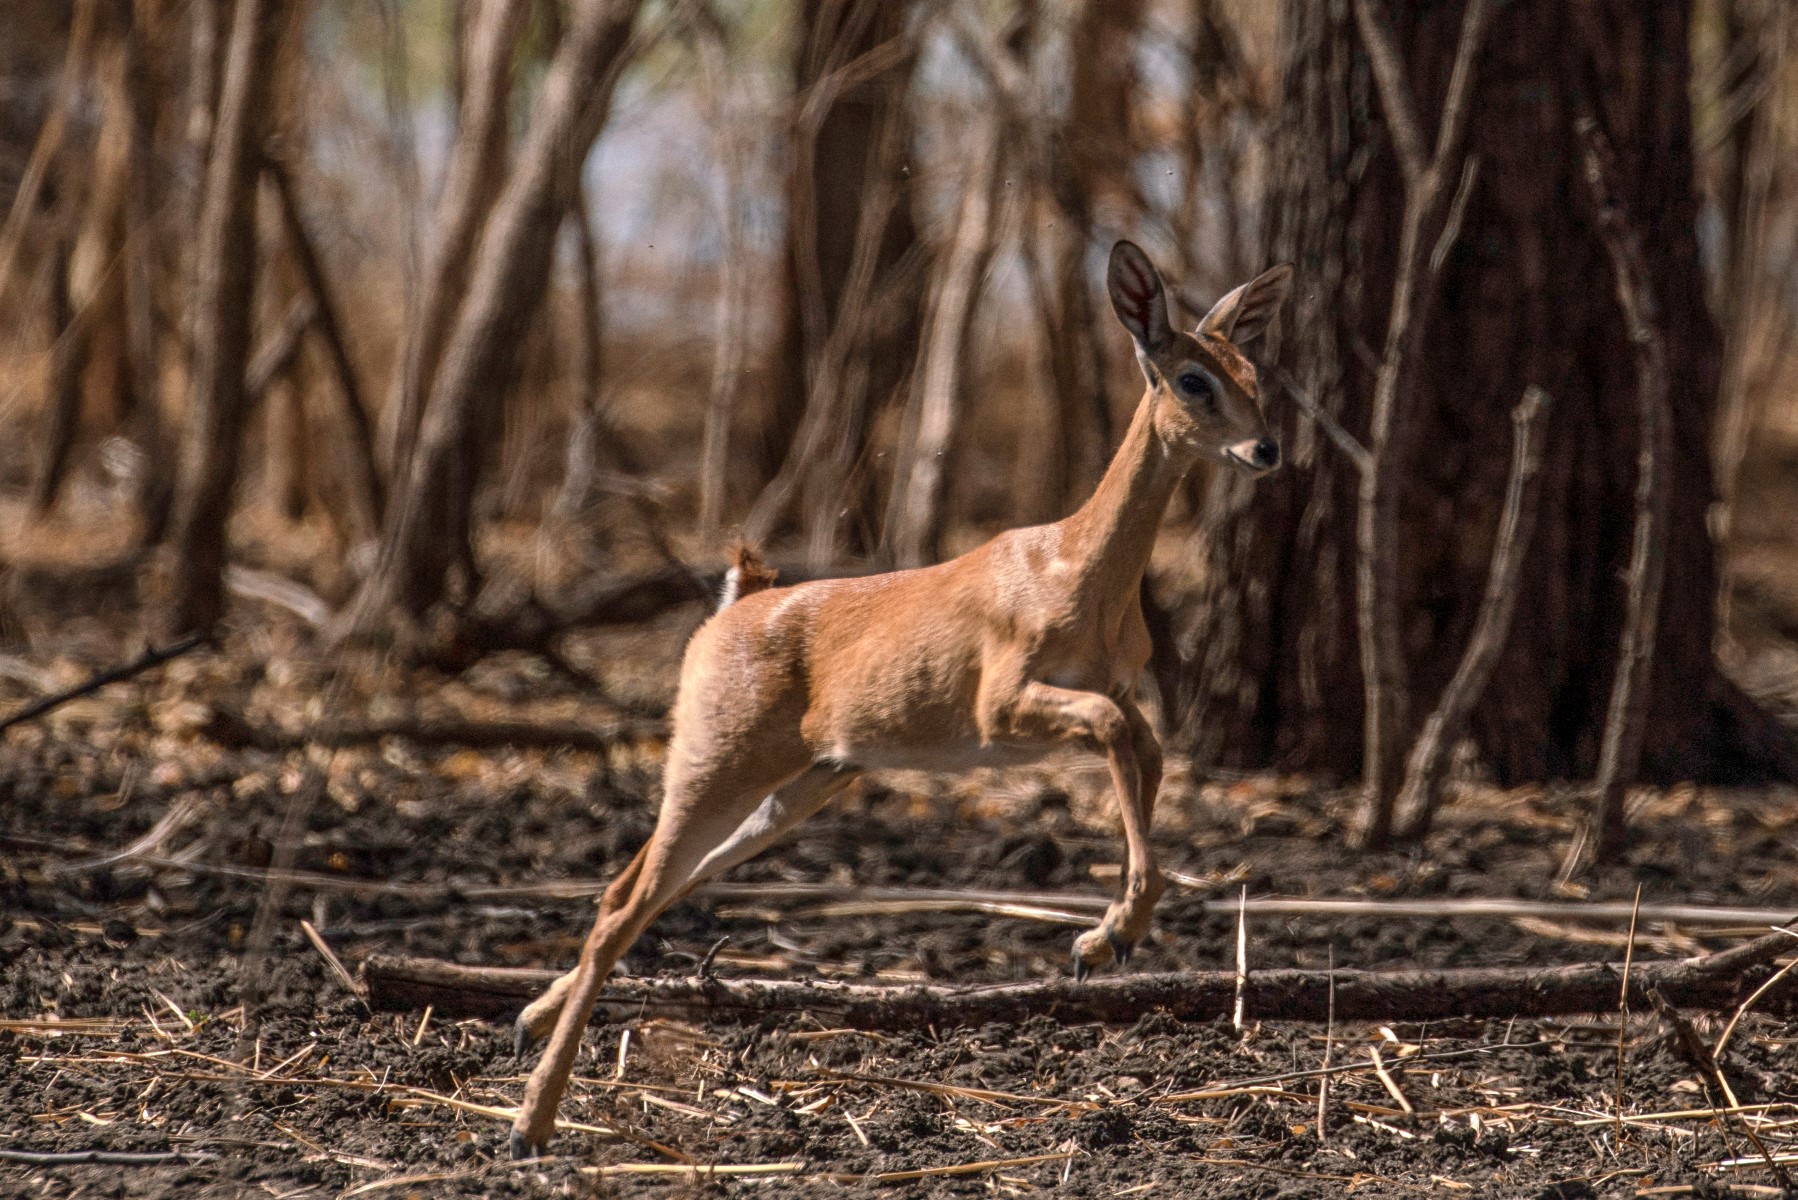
<point>1457,211</point>
<point>1395,90</point>
<point>1621,752</point>
<point>1423,773</point>
<point>1345,441</point>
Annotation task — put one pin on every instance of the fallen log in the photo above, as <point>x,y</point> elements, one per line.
<point>1717,981</point>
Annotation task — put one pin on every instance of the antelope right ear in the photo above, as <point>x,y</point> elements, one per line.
<point>1138,297</point>
<point>1244,314</point>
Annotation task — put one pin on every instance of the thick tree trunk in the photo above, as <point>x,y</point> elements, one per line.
<point>226,271</point>
<point>1272,675</point>
<point>427,525</point>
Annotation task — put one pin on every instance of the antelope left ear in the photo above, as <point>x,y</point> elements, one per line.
<point>1244,314</point>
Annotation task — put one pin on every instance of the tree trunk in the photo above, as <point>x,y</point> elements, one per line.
<point>915,511</point>
<point>427,525</point>
<point>1271,673</point>
<point>471,183</point>
<point>223,302</point>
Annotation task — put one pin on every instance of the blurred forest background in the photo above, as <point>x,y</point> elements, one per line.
<point>453,326</point>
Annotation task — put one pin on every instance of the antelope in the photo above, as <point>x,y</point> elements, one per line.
<point>1031,643</point>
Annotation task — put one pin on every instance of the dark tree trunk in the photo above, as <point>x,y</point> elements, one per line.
<point>1272,674</point>
<point>225,285</point>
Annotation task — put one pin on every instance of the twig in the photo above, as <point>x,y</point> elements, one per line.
<point>1421,793</point>
<point>331,960</point>
<point>1763,989</point>
<point>1345,441</point>
<point>1242,955</point>
<point>1709,1072</point>
<point>1625,721</point>
<point>1386,1080</point>
<point>151,657</point>
<point>1323,1080</point>
<point>1629,958</point>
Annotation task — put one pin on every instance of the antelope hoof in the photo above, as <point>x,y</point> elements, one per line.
<point>522,1149</point>
<point>1091,949</point>
<point>522,1040</point>
<point>1121,949</point>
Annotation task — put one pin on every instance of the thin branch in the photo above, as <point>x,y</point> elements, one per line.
<point>1457,211</point>
<point>1425,223</point>
<point>1345,441</point>
<point>1423,774</point>
<point>1395,91</point>
<point>151,657</point>
<point>1626,718</point>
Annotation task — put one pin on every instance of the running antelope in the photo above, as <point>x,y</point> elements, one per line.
<point>1031,643</point>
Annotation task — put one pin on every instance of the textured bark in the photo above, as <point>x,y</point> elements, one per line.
<point>427,528</point>
<point>223,302</point>
<point>1716,982</point>
<point>1271,675</point>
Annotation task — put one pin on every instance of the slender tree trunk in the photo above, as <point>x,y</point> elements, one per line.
<point>471,183</point>
<point>915,513</point>
<point>1272,675</point>
<point>427,528</point>
<point>223,302</point>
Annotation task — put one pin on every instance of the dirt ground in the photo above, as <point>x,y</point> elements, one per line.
<point>147,1007</point>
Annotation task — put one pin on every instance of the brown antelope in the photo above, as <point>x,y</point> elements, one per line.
<point>1031,643</point>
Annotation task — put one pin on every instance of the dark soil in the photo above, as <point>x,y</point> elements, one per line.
<point>201,1008</point>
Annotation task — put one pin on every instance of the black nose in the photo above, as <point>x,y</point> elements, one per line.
<point>1266,454</point>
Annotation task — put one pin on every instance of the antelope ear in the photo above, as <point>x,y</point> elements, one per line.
<point>1137,297</point>
<point>1244,314</point>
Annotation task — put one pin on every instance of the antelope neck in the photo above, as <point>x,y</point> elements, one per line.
<point>1110,537</point>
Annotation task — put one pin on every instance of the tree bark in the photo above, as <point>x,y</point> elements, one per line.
<point>1271,676</point>
<point>427,528</point>
<point>223,302</point>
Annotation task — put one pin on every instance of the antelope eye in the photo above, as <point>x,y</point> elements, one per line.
<point>1194,384</point>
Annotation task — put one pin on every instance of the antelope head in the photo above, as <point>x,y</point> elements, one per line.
<point>1210,393</point>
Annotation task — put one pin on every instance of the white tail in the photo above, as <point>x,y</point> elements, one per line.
<point>1032,642</point>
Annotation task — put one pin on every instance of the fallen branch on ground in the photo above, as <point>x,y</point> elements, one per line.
<point>110,1158</point>
<point>151,657</point>
<point>1714,982</point>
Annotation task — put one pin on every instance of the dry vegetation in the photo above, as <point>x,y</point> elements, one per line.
<point>824,273</point>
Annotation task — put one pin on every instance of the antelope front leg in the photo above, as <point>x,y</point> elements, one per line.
<point>1041,711</point>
